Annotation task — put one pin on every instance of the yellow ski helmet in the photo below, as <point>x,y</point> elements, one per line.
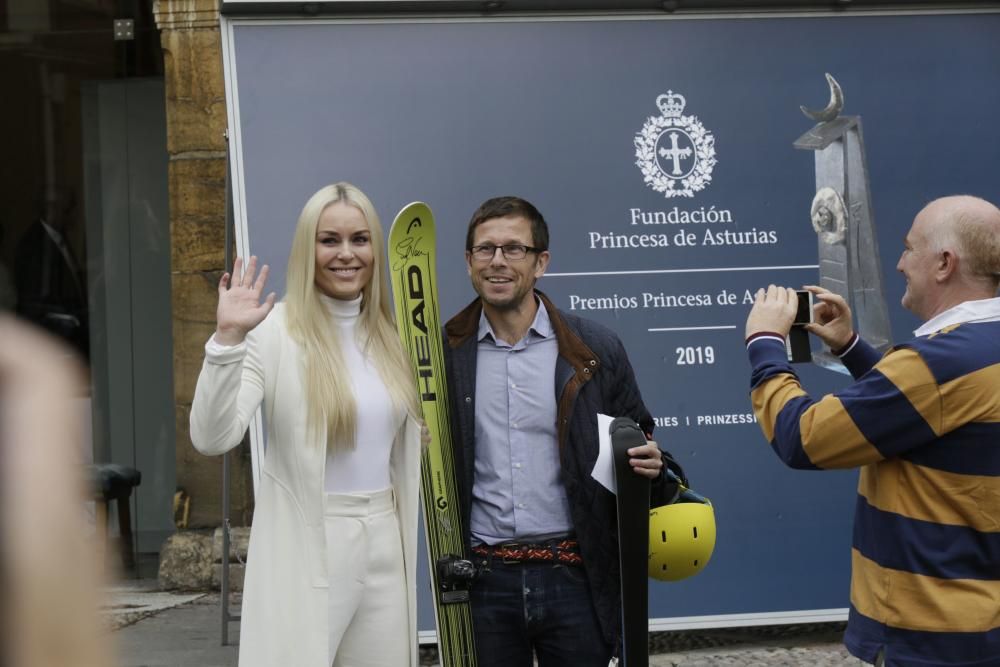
<point>681,537</point>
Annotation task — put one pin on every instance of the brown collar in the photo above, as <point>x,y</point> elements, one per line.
<point>571,346</point>
<point>572,350</point>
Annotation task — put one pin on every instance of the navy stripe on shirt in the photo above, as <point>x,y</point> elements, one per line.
<point>884,415</point>
<point>788,431</point>
<point>921,547</point>
<point>909,648</point>
<point>968,450</point>
<point>947,354</point>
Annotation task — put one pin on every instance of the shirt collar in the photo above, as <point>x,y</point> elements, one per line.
<point>980,310</point>
<point>541,326</point>
<point>484,327</point>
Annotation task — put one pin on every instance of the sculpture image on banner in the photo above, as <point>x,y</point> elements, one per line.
<point>844,222</point>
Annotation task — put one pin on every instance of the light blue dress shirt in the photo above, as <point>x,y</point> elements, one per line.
<point>517,494</point>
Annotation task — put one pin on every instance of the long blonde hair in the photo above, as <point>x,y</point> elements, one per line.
<point>331,404</point>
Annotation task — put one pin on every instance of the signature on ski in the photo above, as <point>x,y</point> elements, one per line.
<point>406,249</point>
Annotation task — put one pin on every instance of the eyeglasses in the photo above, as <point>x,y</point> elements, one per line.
<point>510,251</point>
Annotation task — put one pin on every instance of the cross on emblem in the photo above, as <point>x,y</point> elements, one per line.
<point>675,153</point>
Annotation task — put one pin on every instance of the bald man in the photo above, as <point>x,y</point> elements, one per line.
<point>923,425</point>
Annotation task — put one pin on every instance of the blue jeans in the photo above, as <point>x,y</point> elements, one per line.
<point>543,608</point>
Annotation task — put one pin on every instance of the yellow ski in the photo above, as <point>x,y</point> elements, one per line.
<point>414,285</point>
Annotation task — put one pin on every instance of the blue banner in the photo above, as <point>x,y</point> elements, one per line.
<point>660,152</point>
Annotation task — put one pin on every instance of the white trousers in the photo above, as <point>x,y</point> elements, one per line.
<point>368,612</point>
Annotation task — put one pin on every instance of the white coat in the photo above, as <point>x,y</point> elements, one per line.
<point>285,593</point>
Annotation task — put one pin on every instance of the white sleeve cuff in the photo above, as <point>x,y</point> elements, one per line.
<point>850,346</point>
<point>219,353</point>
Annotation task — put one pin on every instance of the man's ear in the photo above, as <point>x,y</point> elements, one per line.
<point>542,264</point>
<point>946,266</point>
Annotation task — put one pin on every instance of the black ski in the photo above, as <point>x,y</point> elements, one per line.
<point>633,543</point>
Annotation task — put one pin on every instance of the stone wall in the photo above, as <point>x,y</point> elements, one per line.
<point>196,122</point>
<point>191,560</point>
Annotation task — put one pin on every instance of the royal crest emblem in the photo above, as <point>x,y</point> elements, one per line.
<point>675,153</point>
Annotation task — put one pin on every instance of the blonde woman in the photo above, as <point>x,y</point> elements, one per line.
<point>330,573</point>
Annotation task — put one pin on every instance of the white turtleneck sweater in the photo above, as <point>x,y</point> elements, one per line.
<point>365,467</point>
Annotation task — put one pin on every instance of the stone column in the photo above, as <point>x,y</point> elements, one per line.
<point>196,121</point>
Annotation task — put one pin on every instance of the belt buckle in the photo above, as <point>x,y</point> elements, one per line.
<point>512,546</point>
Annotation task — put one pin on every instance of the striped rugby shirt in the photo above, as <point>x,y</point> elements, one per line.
<point>923,425</point>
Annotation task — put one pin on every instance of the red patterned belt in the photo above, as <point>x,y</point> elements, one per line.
<point>566,552</point>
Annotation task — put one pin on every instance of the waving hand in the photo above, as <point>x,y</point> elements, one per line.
<point>240,308</point>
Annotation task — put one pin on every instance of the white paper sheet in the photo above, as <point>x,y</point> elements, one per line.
<point>604,467</point>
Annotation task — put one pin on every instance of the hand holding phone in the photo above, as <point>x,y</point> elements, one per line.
<point>797,343</point>
<point>804,311</point>
<point>832,318</point>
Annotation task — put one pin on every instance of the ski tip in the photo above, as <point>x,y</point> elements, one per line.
<point>619,423</point>
<point>415,215</point>
<point>413,207</point>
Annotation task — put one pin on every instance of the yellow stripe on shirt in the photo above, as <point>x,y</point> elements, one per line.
<point>831,439</point>
<point>927,494</point>
<point>906,368</point>
<point>770,397</point>
<point>918,602</point>
<point>828,435</point>
<point>973,397</point>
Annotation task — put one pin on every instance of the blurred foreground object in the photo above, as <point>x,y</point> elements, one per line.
<point>49,612</point>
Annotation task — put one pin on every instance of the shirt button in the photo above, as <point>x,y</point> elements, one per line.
<point>520,505</point>
<point>517,465</point>
<point>514,425</point>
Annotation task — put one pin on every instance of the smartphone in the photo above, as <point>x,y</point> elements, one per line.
<point>797,344</point>
<point>804,312</point>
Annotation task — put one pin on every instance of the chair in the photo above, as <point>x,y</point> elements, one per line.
<point>114,482</point>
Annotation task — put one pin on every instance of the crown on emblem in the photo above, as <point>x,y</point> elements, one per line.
<point>671,104</point>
